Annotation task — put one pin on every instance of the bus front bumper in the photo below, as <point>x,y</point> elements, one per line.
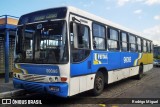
<point>58,89</point>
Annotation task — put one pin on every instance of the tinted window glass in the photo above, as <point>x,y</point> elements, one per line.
<point>124,37</point>
<point>144,46</point>
<point>138,41</point>
<point>133,47</point>
<point>144,42</point>
<point>124,46</point>
<point>113,34</point>
<point>98,30</point>
<point>113,42</point>
<point>149,48</point>
<point>99,43</point>
<point>83,50</point>
<point>132,39</point>
<point>113,45</point>
<point>83,36</point>
<point>139,48</point>
<point>98,36</point>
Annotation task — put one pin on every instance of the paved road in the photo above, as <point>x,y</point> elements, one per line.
<point>4,87</point>
<point>147,87</point>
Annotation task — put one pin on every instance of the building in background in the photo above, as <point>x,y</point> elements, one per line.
<point>8,25</point>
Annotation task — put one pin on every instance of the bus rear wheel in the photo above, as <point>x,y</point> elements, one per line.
<point>140,75</point>
<point>98,84</point>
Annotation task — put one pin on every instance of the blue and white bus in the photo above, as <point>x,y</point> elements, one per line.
<point>65,51</point>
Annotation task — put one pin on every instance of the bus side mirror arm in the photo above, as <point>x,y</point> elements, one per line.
<point>75,35</point>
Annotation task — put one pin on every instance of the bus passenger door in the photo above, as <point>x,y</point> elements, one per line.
<point>80,49</point>
<point>80,53</point>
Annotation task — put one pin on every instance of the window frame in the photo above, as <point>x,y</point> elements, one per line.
<point>105,38</point>
<point>151,45</point>
<point>148,46</point>
<point>89,35</point>
<point>84,49</point>
<point>121,41</point>
<point>129,35</point>
<point>130,43</point>
<point>108,36</point>
<point>139,44</point>
<point>145,45</point>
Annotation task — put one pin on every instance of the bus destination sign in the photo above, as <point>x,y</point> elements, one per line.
<point>55,13</point>
<point>45,17</point>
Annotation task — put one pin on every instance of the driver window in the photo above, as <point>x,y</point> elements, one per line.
<point>83,42</point>
<point>83,36</point>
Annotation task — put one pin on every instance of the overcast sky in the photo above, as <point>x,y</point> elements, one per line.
<point>139,15</point>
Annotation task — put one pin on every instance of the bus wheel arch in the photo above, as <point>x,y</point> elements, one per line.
<point>101,79</point>
<point>140,72</point>
<point>105,74</point>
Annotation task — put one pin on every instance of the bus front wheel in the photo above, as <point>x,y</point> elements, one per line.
<point>98,84</point>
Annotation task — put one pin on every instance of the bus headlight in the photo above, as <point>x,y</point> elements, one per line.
<point>51,79</point>
<point>19,76</point>
<point>14,74</point>
<point>56,79</point>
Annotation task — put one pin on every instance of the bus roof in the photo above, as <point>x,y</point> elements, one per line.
<point>96,18</point>
<point>103,21</point>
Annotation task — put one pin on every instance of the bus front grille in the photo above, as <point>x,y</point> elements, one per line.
<point>34,78</point>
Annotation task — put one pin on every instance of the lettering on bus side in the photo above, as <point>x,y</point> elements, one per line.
<point>127,59</point>
<point>100,58</point>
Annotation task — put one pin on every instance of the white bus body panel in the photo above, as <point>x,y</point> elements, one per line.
<point>81,84</point>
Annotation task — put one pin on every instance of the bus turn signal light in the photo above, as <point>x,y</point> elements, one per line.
<point>63,79</point>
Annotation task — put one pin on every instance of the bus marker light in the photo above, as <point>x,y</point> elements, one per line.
<point>63,79</point>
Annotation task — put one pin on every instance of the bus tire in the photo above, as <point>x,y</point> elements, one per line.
<point>140,75</point>
<point>98,84</point>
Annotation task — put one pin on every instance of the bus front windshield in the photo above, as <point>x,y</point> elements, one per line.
<point>44,42</point>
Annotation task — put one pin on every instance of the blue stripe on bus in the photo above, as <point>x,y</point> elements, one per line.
<point>109,60</point>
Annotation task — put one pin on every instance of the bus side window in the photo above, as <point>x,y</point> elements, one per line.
<point>113,40</point>
<point>139,46</point>
<point>151,47</point>
<point>83,36</point>
<point>148,46</point>
<point>132,43</point>
<point>98,37</point>
<point>144,46</point>
<point>124,42</point>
